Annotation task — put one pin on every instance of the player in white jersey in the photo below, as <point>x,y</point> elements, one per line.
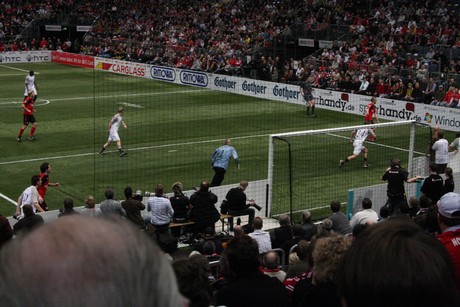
<point>30,197</point>
<point>30,85</point>
<point>114,125</point>
<point>357,138</point>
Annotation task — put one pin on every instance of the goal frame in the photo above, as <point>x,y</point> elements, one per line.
<point>284,136</point>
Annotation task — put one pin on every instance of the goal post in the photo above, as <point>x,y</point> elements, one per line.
<point>304,172</point>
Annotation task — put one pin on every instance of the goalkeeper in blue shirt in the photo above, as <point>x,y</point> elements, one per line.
<point>220,158</point>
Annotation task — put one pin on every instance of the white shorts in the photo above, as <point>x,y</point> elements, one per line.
<point>114,137</point>
<point>358,147</point>
<point>32,88</point>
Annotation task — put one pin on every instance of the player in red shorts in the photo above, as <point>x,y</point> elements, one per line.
<point>28,116</point>
<point>371,112</point>
<point>45,170</point>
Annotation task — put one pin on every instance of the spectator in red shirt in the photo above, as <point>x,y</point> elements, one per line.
<point>449,223</point>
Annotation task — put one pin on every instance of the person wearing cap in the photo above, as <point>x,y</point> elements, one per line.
<point>114,125</point>
<point>133,208</point>
<point>449,223</point>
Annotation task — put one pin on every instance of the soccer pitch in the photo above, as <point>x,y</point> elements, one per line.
<point>172,132</point>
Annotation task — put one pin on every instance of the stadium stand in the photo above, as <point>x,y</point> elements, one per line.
<point>400,44</point>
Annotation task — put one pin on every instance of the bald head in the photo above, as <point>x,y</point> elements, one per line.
<point>271,260</point>
<point>89,262</point>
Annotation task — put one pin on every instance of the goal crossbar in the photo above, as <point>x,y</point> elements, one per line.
<point>289,137</point>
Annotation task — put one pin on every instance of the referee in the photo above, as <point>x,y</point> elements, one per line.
<point>219,160</point>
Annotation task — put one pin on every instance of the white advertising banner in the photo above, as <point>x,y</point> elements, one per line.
<point>53,28</point>
<point>25,56</point>
<point>389,109</point>
<point>325,44</point>
<point>84,28</point>
<point>306,42</point>
<point>121,67</point>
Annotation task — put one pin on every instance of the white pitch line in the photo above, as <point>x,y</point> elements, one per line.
<point>123,95</point>
<point>8,199</point>
<point>14,68</point>
<point>166,146</point>
<point>129,149</point>
<point>9,75</point>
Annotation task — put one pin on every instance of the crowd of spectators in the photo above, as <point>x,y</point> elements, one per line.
<point>397,41</point>
<point>324,268</point>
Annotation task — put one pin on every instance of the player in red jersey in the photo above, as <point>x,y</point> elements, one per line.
<point>28,116</point>
<point>371,112</point>
<point>45,170</point>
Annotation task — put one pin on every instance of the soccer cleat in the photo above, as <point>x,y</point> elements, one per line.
<point>101,153</point>
<point>366,165</point>
<point>123,153</point>
<point>313,115</point>
<point>31,138</point>
<point>341,163</point>
<point>18,139</point>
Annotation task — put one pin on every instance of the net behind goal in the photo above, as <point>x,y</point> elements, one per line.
<point>304,170</point>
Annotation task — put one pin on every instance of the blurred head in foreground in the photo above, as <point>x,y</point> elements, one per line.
<point>395,263</point>
<point>82,261</point>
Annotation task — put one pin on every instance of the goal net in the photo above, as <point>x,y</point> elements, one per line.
<point>304,170</point>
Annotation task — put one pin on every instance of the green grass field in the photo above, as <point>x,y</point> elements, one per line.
<point>172,131</point>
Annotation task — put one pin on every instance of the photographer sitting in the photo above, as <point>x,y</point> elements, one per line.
<point>237,206</point>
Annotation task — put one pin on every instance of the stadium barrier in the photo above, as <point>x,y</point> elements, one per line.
<point>378,193</point>
<point>256,190</point>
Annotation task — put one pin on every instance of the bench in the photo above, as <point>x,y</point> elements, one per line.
<point>172,224</point>
<point>224,217</point>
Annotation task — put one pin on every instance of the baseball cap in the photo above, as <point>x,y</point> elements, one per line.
<point>449,205</point>
<point>139,192</point>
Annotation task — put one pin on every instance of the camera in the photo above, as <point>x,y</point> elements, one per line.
<point>257,207</point>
